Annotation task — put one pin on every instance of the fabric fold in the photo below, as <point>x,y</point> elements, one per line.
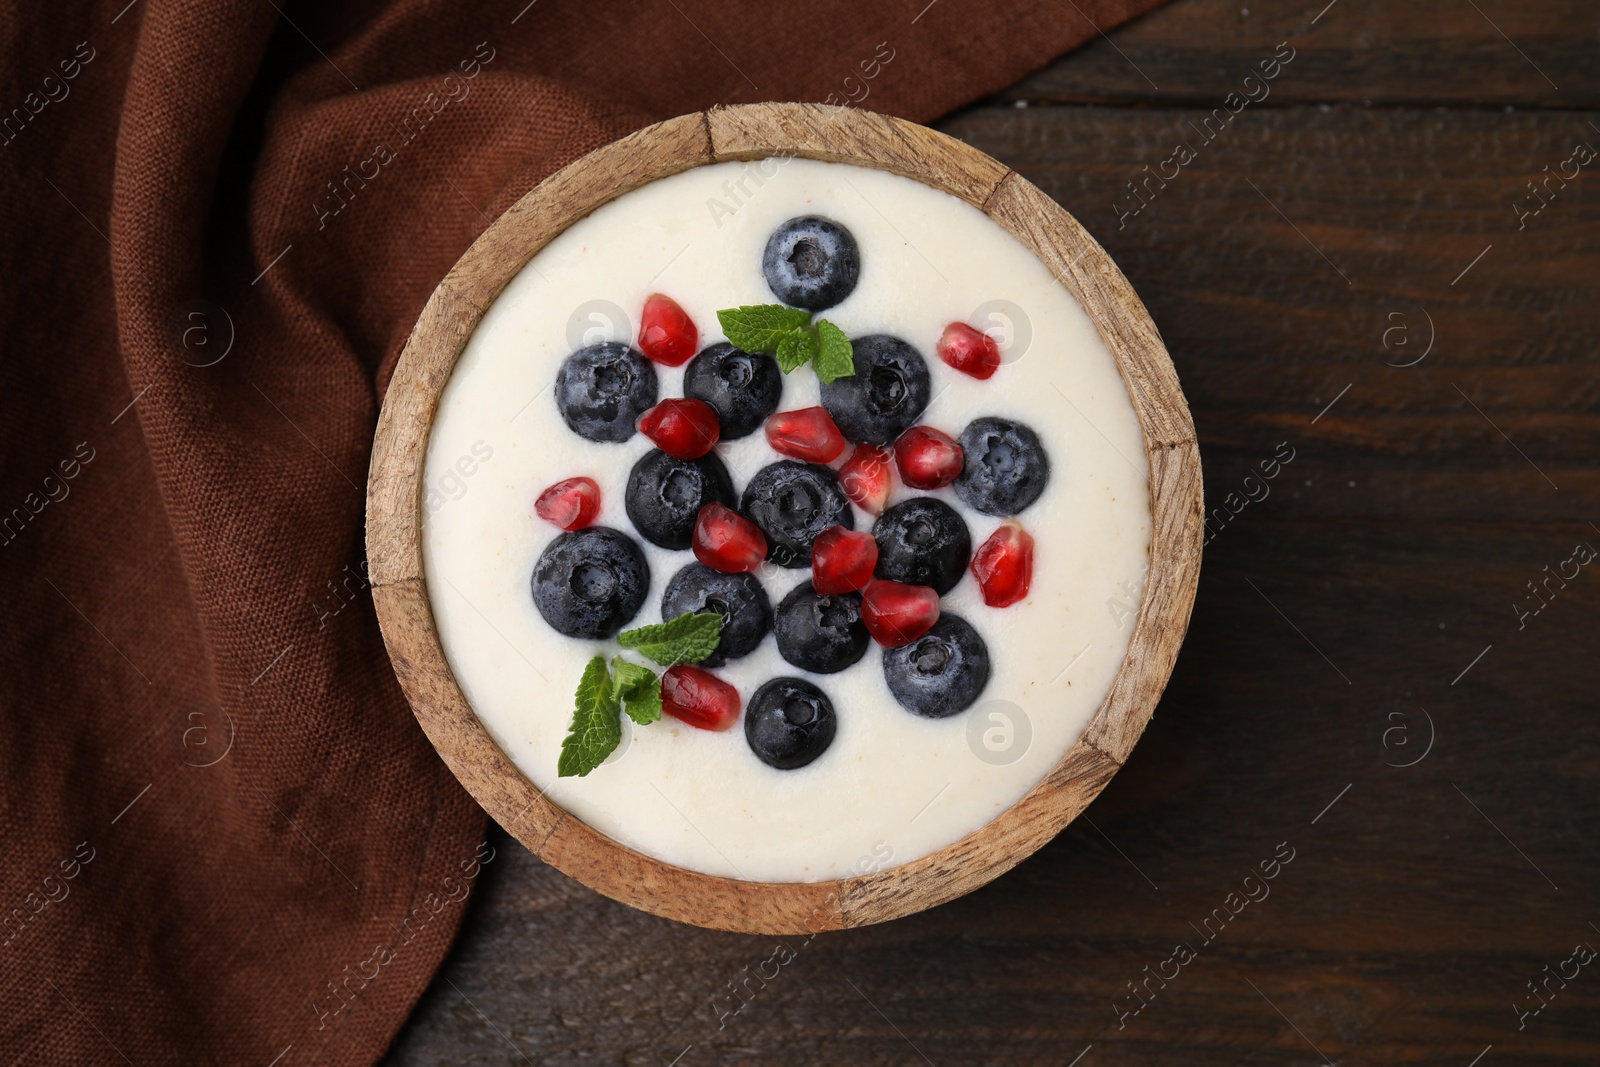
<point>226,838</point>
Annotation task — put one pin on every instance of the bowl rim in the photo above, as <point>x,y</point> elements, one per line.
<point>750,132</point>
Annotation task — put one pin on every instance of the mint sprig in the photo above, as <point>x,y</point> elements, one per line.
<point>604,692</point>
<point>596,728</point>
<point>640,690</point>
<point>689,638</point>
<point>790,335</point>
<point>834,358</point>
<point>759,327</point>
<point>795,348</point>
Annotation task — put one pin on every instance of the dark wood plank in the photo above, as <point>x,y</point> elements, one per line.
<point>1429,53</point>
<point>1338,616</point>
<point>1284,249</point>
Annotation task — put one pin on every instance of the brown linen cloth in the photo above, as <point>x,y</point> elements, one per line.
<point>225,839</point>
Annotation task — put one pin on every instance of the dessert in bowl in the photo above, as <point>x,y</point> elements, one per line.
<point>830,527</point>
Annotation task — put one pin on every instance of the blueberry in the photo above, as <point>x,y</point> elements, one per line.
<point>941,672</point>
<point>922,541</point>
<point>789,722</point>
<point>602,390</point>
<point>738,598</point>
<point>793,502</point>
<point>1006,467</point>
<point>885,395</point>
<point>744,388</point>
<point>811,262</point>
<point>820,634</point>
<point>665,495</point>
<point>591,582</point>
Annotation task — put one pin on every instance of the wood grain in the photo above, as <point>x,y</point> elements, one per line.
<point>844,135</point>
<point>688,896</point>
<point>394,495</point>
<point>571,193</point>
<point>1395,543</point>
<point>466,748</point>
<point>1425,53</point>
<point>1005,842</point>
<point>835,135</point>
<point>394,485</point>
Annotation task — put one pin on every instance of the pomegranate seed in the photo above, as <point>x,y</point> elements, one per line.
<point>699,698</point>
<point>865,477</point>
<point>969,351</point>
<point>898,614</point>
<point>666,332</point>
<point>808,434</point>
<point>571,504</point>
<point>726,541</point>
<point>1003,565</point>
<point>842,560</point>
<point>683,429</point>
<point>928,458</point>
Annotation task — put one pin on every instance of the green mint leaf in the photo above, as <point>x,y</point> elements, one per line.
<point>689,638</point>
<point>596,723</point>
<point>759,327</point>
<point>644,704</point>
<point>797,347</point>
<point>640,690</point>
<point>834,358</point>
<point>628,675</point>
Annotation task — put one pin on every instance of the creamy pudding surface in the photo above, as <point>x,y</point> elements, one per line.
<point>893,786</point>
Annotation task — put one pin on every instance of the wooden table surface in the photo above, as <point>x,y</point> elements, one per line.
<point>1370,683</point>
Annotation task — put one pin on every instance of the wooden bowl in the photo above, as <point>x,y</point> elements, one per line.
<point>756,131</point>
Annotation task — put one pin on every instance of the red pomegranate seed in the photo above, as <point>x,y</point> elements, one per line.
<point>842,560</point>
<point>1003,565</point>
<point>928,458</point>
<point>969,351</point>
<point>699,698</point>
<point>807,434</point>
<point>666,332</point>
<point>726,541</point>
<point>865,477</point>
<point>683,429</point>
<point>898,614</point>
<point>571,504</point>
